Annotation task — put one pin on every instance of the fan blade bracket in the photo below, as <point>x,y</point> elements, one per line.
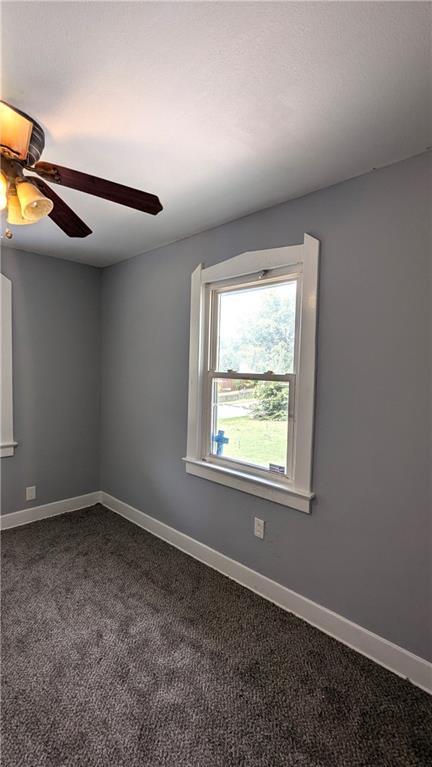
<point>47,171</point>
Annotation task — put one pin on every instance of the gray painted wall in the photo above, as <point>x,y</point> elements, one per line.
<point>56,369</point>
<point>365,550</point>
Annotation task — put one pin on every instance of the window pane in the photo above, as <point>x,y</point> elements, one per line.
<point>257,329</point>
<point>250,422</point>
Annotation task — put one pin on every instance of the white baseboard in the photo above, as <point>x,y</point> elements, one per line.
<point>33,514</point>
<point>378,649</point>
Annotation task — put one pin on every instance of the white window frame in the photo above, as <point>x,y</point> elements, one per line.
<point>301,261</point>
<point>7,442</point>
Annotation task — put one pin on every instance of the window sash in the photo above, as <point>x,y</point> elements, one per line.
<point>271,277</point>
<point>208,430</point>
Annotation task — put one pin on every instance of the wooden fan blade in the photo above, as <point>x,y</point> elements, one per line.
<point>99,187</point>
<point>62,214</point>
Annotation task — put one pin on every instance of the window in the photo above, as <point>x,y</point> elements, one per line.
<point>7,443</point>
<point>252,373</point>
<point>251,380</point>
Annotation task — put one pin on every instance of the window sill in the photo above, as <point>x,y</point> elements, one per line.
<point>271,490</point>
<point>7,449</point>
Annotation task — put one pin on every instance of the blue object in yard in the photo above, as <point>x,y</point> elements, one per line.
<point>220,440</point>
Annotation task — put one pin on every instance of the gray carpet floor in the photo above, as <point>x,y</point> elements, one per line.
<point>119,650</point>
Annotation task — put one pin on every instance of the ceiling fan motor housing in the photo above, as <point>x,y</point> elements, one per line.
<point>37,143</point>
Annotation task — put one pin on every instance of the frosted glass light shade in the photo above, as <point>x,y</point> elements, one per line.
<point>14,215</point>
<point>34,204</point>
<point>3,191</point>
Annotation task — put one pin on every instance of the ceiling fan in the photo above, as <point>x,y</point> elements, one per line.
<point>28,199</point>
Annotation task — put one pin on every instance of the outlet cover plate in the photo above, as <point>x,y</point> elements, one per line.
<point>31,493</point>
<point>259,527</point>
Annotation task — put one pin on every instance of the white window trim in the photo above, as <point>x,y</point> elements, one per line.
<point>7,442</point>
<point>296,494</point>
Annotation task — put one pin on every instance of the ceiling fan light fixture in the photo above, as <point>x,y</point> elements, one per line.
<point>3,190</point>
<point>15,132</point>
<point>14,215</point>
<point>34,204</point>
<point>30,199</point>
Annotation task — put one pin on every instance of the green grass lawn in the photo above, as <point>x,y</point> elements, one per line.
<point>255,441</point>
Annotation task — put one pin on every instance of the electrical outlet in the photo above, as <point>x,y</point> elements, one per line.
<point>31,493</point>
<point>259,527</point>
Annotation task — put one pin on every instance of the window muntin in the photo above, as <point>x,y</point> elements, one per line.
<point>253,325</point>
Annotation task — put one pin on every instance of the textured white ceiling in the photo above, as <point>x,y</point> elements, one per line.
<point>219,108</point>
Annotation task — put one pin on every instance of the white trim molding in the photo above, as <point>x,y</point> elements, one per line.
<point>373,646</point>
<point>292,489</point>
<point>7,442</point>
<point>35,513</point>
<point>271,490</point>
